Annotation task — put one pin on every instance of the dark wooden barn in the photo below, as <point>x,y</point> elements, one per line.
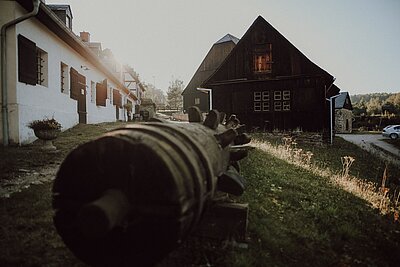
<point>268,83</point>
<point>213,59</point>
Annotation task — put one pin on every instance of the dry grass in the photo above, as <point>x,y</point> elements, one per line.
<point>378,197</point>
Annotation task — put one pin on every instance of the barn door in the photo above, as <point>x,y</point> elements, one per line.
<point>78,92</point>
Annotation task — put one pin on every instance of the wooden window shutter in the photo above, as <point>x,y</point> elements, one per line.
<point>117,99</point>
<point>26,60</point>
<point>101,94</point>
<point>74,82</point>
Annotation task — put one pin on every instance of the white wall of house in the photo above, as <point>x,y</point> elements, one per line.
<point>27,102</point>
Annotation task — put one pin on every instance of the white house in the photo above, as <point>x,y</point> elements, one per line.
<point>48,71</point>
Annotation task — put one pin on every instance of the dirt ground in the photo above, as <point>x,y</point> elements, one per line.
<point>22,166</point>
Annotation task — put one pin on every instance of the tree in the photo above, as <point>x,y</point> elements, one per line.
<point>374,106</point>
<point>174,94</point>
<point>157,95</point>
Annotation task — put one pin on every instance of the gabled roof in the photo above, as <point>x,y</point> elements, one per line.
<point>49,19</point>
<point>228,38</point>
<point>203,72</point>
<point>340,101</point>
<point>240,45</point>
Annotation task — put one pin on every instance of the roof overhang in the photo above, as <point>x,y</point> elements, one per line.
<point>48,18</point>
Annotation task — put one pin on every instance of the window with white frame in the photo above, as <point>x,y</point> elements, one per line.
<point>109,94</point>
<point>196,100</point>
<point>64,79</point>
<point>41,67</point>
<point>257,106</point>
<point>277,105</point>
<point>277,95</point>
<point>261,101</point>
<point>263,59</point>
<point>286,95</point>
<point>92,92</point>
<point>257,96</point>
<point>282,100</point>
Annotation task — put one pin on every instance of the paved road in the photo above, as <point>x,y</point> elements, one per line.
<point>365,141</point>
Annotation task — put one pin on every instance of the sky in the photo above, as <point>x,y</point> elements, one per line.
<point>356,41</point>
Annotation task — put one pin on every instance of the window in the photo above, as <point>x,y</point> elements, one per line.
<point>261,101</point>
<point>286,105</point>
<point>277,105</point>
<point>257,96</point>
<point>64,79</point>
<point>68,22</point>
<point>257,106</point>
<point>32,63</point>
<point>197,101</point>
<point>109,94</point>
<point>92,92</point>
<point>286,95</point>
<point>265,106</point>
<point>265,96</point>
<point>41,67</point>
<point>263,59</point>
<point>282,100</point>
<point>277,95</point>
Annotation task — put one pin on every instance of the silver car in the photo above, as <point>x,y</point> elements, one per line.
<point>392,131</point>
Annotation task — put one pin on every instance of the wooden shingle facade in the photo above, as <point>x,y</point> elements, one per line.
<point>218,52</point>
<point>268,83</point>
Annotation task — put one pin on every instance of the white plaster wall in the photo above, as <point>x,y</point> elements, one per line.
<point>27,102</point>
<point>38,102</point>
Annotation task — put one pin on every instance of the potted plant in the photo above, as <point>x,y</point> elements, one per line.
<point>46,130</point>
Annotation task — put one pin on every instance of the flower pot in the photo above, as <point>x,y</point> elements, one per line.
<point>47,136</point>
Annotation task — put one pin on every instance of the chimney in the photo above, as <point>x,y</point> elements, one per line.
<point>85,36</point>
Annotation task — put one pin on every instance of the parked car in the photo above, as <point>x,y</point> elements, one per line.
<point>392,131</point>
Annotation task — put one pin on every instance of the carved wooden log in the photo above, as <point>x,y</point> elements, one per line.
<point>131,196</point>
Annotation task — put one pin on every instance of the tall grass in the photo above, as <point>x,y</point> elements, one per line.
<point>377,196</point>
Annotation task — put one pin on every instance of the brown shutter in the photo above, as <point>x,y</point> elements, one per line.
<point>75,88</point>
<point>101,94</point>
<point>26,60</point>
<point>117,99</point>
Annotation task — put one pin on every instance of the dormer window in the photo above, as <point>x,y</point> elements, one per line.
<point>68,21</point>
<point>263,59</point>
<point>64,13</point>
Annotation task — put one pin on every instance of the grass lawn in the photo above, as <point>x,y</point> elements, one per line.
<point>296,218</point>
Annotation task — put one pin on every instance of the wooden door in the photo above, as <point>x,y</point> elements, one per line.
<point>78,92</point>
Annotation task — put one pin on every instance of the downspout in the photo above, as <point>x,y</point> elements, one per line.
<point>330,110</point>
<point>4,91</point>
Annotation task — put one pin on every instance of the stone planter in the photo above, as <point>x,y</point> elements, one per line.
<point>47,136</point>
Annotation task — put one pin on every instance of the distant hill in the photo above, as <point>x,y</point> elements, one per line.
<point>376,103</point>
<point>367,97</point>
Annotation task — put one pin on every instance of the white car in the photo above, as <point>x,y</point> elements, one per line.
<point>392,131</point>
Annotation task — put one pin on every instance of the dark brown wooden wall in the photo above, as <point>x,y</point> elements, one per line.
<point>307,104</point>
